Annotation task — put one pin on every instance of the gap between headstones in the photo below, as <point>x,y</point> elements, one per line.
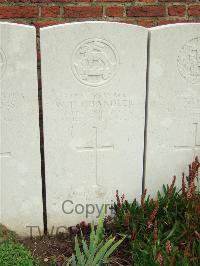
<point>40,104</point>
<point>146,112</point>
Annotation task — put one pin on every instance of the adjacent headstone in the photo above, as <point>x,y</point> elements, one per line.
<point>21,188</point>
<point>94,87</point>
<point>173,132</point>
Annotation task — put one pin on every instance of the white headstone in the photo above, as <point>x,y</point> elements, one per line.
<point>21,189</point>
<point>173,132</point>
<point>94,81</point>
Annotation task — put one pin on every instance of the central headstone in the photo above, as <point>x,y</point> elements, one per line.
<point>94,88</point>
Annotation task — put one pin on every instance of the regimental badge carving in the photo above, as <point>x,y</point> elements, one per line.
<point>94,62</point>
<point>2,63</point>
<point>189,61</point>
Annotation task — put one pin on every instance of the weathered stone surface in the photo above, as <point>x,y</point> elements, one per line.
<point>21,189</point>
<point>173,133</point>
<point>94,82</point>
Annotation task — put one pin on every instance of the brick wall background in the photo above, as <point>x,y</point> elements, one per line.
<point>141,12</point>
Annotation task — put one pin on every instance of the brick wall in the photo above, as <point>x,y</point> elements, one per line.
<point>141,12</point>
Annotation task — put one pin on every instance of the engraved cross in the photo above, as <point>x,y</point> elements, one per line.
<point>196,146</point>
<point>96,148</point>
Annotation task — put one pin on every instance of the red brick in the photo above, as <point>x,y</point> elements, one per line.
<point>14,1</point>
<point>176,1</point>
<point>148,1</point>
<point>46,23</point>
<point>194,10</point>
<point>18,12</point>
<point>114,11</point>
<point>146,23</point>
<point>83,11</point>
<point>125,20</point>
<point>168,21</point>
<point>178,10</point>
<point>116,1</point>
<point>146,11</point>
<point>52,11</point>
<point>56,1</point>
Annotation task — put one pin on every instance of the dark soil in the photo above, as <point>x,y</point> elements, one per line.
<point>57,249</point>
<point>50,249</point>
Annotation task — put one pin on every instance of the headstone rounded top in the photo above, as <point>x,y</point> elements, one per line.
<point>2,63</point>
<point>189,61</point>
<point>174,26</point>
<point>94,61</point>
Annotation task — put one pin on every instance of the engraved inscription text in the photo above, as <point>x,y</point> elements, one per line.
<point>189,61</point>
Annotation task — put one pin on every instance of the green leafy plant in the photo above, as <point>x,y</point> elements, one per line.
<point>165,230</point>
<point>14,254</point>
<point>98,251</point>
